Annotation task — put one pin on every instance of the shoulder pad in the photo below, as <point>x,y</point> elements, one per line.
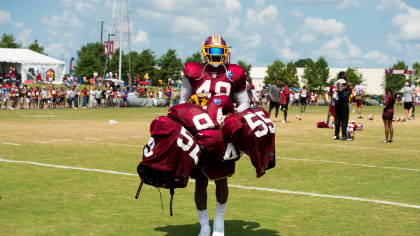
<point>193,70</point>
<point>163,126</point>
<point>238,73</point>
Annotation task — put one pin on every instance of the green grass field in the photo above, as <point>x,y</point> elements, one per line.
<point>40,200</point>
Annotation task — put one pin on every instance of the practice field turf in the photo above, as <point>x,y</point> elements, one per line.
<point>319,186</point>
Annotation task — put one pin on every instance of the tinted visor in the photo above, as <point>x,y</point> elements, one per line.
<point>216,51</point>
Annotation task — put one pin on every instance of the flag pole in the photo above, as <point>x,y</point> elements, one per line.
<point>121,18</point>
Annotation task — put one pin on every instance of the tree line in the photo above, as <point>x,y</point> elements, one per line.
<point>9,41</point>
<point>316,73</point>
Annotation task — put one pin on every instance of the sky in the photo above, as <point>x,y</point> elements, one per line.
<point>348,33</point>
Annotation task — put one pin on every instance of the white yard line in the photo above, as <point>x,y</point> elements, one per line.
<point>122,138</point>
<point>14,144</point>
<point>352,147</point>
<point>42,142</point>
<point>86,140</point>
<point>92,139</point>
<point>231,185</point>
<point>66,167</point>
<point>345,163</point>
<point>327,196</point>
<point>39,116</point>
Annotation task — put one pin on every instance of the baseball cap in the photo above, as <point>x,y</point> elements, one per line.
<point>341,81</point>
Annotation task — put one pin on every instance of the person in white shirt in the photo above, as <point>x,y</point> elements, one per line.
<point>70,97</point>
<point>44,95</point>
<point>91,97</point>
<point>296,97</point>
<point>303,99</point>
<point>159,94</point>
<point>408,100</point>
<point>359,92</point>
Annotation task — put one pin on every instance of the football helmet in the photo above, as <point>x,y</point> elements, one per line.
<point>198,99</point>
<point>215,50</point>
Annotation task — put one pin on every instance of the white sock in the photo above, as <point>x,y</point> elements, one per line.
<point>203,219</point>
<point>219,219</point>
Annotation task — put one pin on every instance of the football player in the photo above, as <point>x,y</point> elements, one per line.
<point>215,77</point>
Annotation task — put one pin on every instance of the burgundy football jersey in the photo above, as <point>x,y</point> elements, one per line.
<point>219,106</point>
<point>193,117</point>
<point>171,148</point>
<point>211,140</point>
<point>227,80</point>
<point>217,159</point>
<point>254,133</point>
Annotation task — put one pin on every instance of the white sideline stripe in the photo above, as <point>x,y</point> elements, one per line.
<point>14,144</point>
<point>42,142</point>
<point>327,196</point>
<point>38,116</point>
<point>230,185</point>
<point>92,139</point>
<point>345,163</point>
<point>67,167</point>
<point>60,140</point>
<point>113,137</point>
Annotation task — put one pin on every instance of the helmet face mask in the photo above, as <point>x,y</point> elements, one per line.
<point>215,50</point>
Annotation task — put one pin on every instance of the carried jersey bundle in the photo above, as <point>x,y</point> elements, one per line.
<point>322,124</point>
<point>191,135</point>
<point>253,133</point>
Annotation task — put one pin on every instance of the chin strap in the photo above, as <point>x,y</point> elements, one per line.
<point>202,72</point>
<point>204,68</point>
<point>226,70</point>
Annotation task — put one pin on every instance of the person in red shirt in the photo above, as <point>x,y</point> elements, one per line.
<point>151,93</point>
<point>388,114</point>
<point>85,95</point>
<point>141,91</point>
<point>12,98</point>
<point>331,110</point>
<point>35,97</point>
<point>284,100</point>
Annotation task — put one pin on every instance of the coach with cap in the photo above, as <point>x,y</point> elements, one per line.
<point>342,106</point>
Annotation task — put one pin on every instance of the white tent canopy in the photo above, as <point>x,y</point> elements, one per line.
<point>26,62</point>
